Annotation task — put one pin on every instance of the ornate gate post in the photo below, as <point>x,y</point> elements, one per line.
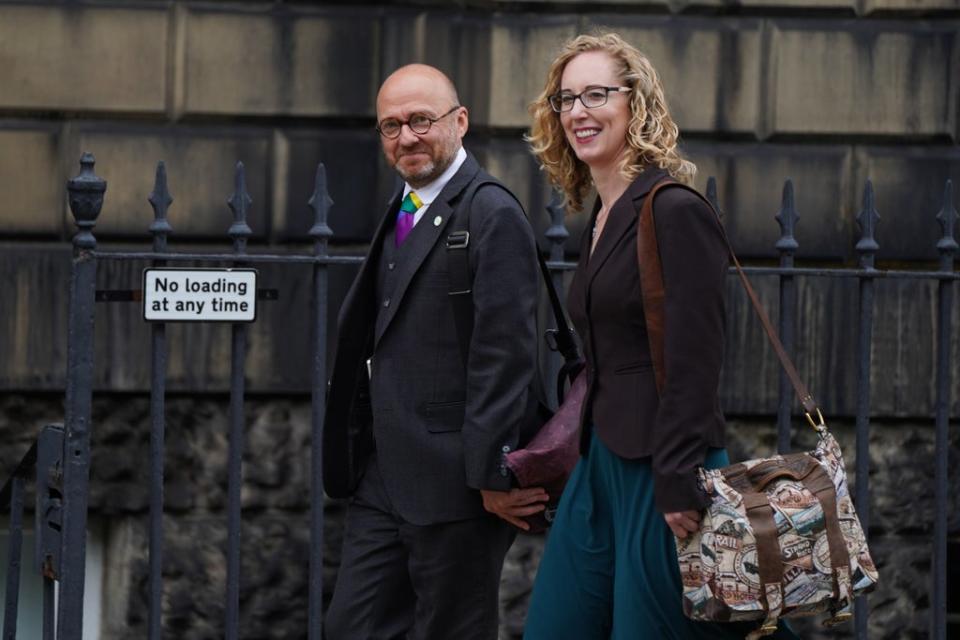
<point>86,198</point>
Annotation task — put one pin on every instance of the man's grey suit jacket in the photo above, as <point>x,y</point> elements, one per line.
<point>440,429</point>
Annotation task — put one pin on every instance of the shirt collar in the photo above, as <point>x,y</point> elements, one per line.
<point>430,192</point>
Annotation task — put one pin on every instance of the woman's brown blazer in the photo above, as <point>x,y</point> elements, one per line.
<point>676,428</point>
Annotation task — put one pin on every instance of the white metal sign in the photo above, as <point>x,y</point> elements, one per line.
<point>200,295</point>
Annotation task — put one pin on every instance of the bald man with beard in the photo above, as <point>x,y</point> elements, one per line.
<point>415,434</point>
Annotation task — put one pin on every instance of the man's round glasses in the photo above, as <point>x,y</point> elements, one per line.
<point>591,98</point>
<point>419,123</point>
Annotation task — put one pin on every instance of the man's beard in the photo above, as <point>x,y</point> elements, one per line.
<point>425,175</point>
<point>432,169</point>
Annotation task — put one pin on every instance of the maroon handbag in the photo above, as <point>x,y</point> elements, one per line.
<point>548,459</point>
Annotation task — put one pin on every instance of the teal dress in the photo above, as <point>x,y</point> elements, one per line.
<point>609,570</point>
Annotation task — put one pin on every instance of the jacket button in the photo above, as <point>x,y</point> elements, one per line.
<point>505,448</point>
<point>503,471</point>
<point>391,266</point>
<point>386,302</point>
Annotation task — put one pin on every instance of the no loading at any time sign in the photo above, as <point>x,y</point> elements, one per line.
<point>199,295</point>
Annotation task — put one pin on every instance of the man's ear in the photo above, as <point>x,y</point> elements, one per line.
<point>463,121</point>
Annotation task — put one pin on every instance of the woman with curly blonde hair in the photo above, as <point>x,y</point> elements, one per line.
<point>609,570</point>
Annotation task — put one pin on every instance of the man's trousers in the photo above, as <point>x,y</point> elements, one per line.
<point>398,580</point>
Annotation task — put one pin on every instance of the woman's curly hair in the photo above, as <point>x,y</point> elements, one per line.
<point>651,135</point>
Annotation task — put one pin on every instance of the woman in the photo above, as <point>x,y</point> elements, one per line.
<point>610,569</point>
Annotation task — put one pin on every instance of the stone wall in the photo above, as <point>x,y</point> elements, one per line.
<point>276,500</point>
<point>828,93</point>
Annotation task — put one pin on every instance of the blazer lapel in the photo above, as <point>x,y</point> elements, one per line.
<point>424,237</point>
<point>622,218</point>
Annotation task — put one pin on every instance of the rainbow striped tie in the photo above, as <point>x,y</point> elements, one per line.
<point>405,216</point>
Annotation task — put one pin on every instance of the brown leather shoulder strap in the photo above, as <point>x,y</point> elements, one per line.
<point>652,288</point>
<point>651,284</point>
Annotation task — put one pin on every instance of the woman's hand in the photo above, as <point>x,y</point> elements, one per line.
<point>683,523</point>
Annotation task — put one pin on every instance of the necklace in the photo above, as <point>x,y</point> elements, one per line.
<point>597,226</point>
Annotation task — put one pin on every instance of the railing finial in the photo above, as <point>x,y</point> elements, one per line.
<point>239,203</point>
<point>947,245</point>
<point>712,196</point>
<point>160,199</point>
<point>86,199</point>
<point>320,202</point>
<point>557,232</point>
<point>787,217</point>
<point>867,219</point>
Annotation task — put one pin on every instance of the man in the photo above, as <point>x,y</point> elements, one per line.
<point>413,433</point>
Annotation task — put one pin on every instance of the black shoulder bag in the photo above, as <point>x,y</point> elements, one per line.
<point>550,455</point>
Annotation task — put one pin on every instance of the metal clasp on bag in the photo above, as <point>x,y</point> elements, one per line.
<point>458,240</point>
<point>837,620</point>
<point>819,424</point>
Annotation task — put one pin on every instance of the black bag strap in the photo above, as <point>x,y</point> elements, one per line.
<point>461,283</point>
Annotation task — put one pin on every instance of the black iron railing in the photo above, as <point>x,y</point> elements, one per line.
<point>41,465</point>
<point>66,473</point>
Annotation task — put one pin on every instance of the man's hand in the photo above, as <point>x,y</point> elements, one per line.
<point>515,504</point>
<point>682,523</point>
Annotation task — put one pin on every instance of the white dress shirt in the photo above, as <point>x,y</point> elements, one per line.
<point>430,192</point>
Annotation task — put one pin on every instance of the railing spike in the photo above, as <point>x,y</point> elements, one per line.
<point>712,196</point>
<point>787,217</point>
<point>867,219</point>
<point>240,203</point>
<point>947,219</point>
<point>557,232</point>
<point>160,199</point>
<point>320,202</point>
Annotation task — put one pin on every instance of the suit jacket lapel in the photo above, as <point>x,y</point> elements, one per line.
<point>622,218</point>
<point>424,236</point>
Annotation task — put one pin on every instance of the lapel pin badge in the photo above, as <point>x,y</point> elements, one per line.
<point>437,221</point>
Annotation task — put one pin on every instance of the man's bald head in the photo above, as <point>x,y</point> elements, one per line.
<point>421,75</point>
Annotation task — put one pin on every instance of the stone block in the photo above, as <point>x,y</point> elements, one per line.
<point>34,288</point>
<point>280,62</point>
<point>278,354</point>
<point>883,6</point>
<point>909,186</point>
<point>903,353</point>
<point>31,183</point>
<point>200,175</point>
<point>710,69</point>
<point>358,180</point>
<point>835,5</point>
<point>402,41</point>
<point>33,328</point>
<point>521,50</point>
<point>750,183</point>
<point>83,58</point>
<point>885,78</point>
<point>459,44</point>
